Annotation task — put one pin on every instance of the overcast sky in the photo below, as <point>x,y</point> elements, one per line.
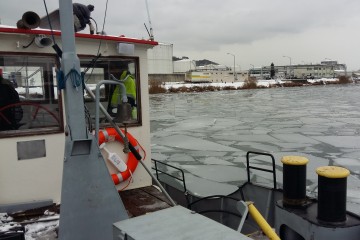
<point>257,32</point>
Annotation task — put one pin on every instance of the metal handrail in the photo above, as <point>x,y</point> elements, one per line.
<point>212,197</point>
<point>248,167</point>
<point>132,148</point>
<point>157,170</point>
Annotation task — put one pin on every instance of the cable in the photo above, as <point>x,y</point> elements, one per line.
<point>142,150</point>
<point>88,118</point>
<point>48,18</point>
<point>54,46</point>
<point>96,26</point>
<point>100,42</point>
<point>92,63</point>
<point>29,43</point>
<point>103,26</point>
<point>131,174</point>
<point>129,181</point>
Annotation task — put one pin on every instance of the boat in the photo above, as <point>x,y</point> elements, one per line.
<point>57,111</point>
<point>68,144</point>
<point>288,210</point>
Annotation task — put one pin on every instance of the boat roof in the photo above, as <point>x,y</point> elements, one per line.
<point>14,30</point>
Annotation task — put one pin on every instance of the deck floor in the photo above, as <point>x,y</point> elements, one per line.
<point>34,224</point>
<point>143,200</point>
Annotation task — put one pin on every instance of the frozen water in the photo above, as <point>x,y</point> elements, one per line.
<point>341,141</point>
<point>208,134</point>
<point>217,173</point>
<point>159,156</point>
<point>348,162</point>
<point>178,157</point>
<point>216,161</point>
<point>192,143</point>
<point>295,138</point>
<point>208,153</point>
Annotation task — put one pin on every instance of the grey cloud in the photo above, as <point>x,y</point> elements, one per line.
<point>208,25</point>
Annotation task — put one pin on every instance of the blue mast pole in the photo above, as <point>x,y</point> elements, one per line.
<point>73,95</point>
<point>90,203</point>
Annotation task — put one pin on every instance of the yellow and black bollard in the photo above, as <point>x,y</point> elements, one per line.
<point>332,183</point>
<point>294,180</point>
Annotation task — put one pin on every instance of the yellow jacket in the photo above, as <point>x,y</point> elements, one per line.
<point>130,87</point>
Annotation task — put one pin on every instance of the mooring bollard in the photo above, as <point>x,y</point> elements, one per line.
<point>294,180</point>
<point>332,184</point>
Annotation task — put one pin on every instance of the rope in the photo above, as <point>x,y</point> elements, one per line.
<point>75,77</point>
<point>60,79</point>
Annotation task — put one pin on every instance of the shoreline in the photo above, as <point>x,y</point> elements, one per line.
<point>175,87</point>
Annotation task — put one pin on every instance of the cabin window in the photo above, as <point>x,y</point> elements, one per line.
<point>29,100</point>
<point>123,104</point>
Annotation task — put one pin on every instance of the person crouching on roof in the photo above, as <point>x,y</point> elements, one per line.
<point>128,79</point>
<point>82,17</point>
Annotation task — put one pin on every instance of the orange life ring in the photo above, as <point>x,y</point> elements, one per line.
<point>110,134</point>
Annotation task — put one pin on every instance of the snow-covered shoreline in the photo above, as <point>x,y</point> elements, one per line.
<point>240,84</point>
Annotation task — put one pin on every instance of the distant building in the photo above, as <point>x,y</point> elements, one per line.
<point>161,67</point>
<point>326,69</point>
<point>184,65</point>
<point>160,59</point>
<point>215,76</point>
<point>160,64</point>
<point>207,73</point>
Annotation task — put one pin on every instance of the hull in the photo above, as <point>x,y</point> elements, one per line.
<point>290,222</point>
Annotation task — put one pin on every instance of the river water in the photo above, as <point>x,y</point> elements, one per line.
<point>208,134</point>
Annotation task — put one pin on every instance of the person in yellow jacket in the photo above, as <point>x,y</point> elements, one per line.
<point>130,87</point>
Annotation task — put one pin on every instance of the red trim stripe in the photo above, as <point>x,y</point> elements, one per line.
<point>78,35</point>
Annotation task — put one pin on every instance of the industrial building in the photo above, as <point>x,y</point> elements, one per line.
<point>160,64</point>
<point>326,69</point>
<point>162,68</point>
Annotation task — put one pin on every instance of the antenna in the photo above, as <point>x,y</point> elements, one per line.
<point>151,34</point>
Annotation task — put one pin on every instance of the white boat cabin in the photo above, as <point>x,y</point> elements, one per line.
<point>32,116</point>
